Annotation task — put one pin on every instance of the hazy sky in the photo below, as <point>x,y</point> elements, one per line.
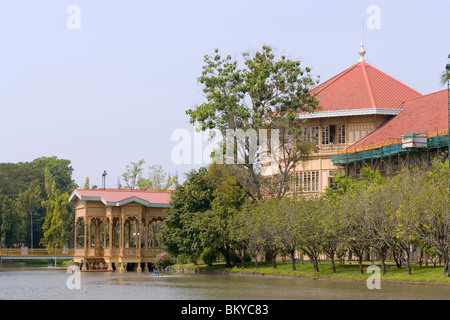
<point>114,90</point>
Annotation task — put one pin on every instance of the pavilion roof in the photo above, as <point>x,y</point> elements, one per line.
<point>119,197</point>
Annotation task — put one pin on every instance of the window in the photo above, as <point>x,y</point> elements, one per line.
<point>341,133</point>
<point>325,135</point>
<point>311,134</point>
<point>307,181</point>
<point>333,134</point>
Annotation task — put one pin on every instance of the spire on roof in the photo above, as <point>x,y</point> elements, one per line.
<point>361,51</point>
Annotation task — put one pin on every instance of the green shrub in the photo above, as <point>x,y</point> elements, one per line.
<point>209,256</point>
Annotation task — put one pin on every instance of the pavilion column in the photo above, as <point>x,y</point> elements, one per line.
<point>75,242</point>
<point>146,223</point>
<point>111,237</point>
<point>129,233</point>
<point>83,267</point>
<point>122,240</point>
<point>89,238</point>
<point>85,236</point>
<point>96,234</point>
<point>136,235</point>
<point>104,233</point>
<point>138,242</point>
<point>146,242</point>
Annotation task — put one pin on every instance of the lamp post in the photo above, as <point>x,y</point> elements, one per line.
<point>31,215</point>
<point>104,180</point>
<point>447,67</point>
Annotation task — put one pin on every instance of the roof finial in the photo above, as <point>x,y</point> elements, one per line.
<point>361,51</point>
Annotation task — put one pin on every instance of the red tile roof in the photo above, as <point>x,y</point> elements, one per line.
<point>362,86</point>
<point>424,114</point>
<point>118,197</point>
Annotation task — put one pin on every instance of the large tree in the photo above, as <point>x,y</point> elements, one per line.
<point>268,93</point>
<point>181,230</point>
<point>11,222</point>
<point>23,188</point>
<point>58,223</point>
<point>431,208</point>
<point>201,213</point>
<point>133,174</point>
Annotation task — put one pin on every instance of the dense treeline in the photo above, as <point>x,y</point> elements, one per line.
<point>387,217</point>
<point>36,192</point>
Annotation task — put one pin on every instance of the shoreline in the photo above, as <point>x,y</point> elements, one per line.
<point>217,269</point>
<point>206,270</point>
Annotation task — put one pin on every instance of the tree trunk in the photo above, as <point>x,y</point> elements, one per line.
<point>268,256</point>
<point>316,264</point>
<point>397,259</point>
<point>242,260</point>
<point>333,266</point>
<point>446,266</point>
<point>360,259</point>
<point>383,255</point>
<point>226,254</point>
<point>293,260</point>
<point>255,256</point>
<point>408,267</point>
<point>383,266</point>
<point>274,261</point>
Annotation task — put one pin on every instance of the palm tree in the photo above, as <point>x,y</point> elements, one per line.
<point>445,77</point>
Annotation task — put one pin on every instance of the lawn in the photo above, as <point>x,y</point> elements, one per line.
<point>428,274</point>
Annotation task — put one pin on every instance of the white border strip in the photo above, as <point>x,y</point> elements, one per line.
<point>346,113</point>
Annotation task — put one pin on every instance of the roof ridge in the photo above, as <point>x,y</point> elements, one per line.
<point>369,87</point>
<point>126,190</point>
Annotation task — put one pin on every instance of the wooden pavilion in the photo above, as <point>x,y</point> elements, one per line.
<point>116,226</point>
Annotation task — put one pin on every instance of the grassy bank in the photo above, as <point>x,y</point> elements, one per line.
<point>36,262</point>
<point>430,274</point>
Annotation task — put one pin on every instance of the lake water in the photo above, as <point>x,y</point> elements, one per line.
<point>45,283</point>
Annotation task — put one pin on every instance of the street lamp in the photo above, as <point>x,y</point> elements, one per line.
<point>447,67</point>
<point>104,180</point>
<point>31,214</point>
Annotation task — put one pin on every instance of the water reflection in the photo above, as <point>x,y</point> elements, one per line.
<point>44,283</point>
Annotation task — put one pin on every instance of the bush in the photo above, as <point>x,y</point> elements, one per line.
<point>183,258</point>
<point>209,256</point>
<point>163,260</point>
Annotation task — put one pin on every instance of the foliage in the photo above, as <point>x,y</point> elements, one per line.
<point>23,191</point>
<point>163,260</point>
<point>133,174</point>
<point>201,211</point>
<point>180,232</point>
<point>370,215</point>
<point>59,217</point>
<point>209,256</point>
<point>157,180</point>
<point>267,93</point>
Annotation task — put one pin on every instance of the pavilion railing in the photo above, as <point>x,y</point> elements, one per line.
<point>26,252</point>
